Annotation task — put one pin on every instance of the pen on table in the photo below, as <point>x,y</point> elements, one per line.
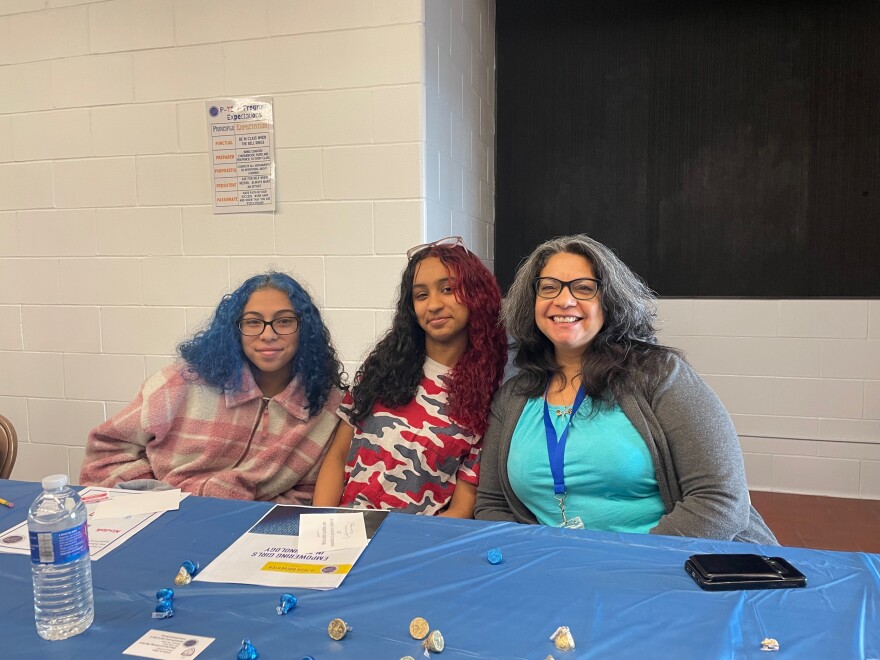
<point>6,503</point>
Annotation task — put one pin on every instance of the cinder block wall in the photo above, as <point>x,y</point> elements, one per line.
<point>109,251</point>
<point>801,379</point>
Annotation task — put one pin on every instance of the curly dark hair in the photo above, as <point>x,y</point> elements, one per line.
<point>216,356</point>
<point>623,356</point>
<point>392,371</point>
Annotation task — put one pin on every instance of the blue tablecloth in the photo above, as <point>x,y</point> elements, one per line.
<point>622,595</point>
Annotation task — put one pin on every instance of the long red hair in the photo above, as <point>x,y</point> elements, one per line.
<point>477,375</point>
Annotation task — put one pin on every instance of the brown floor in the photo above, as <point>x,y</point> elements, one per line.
<point>827,523</point>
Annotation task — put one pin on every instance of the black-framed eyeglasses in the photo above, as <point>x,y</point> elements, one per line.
<point>583,288</point>
<point>449,241</point>
<point>286,325</point>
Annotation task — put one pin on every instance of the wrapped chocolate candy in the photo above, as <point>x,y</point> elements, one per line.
<point>418,628</point>
<point>287,603</point>
<point>337,629</point>
<point>247,651</point>
<point>164,608</point>
<point>769,644</point>
<point>435,642</point>
<point>563,639</point>
<point>186,573</point>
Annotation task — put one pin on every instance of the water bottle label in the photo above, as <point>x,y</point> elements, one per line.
<point>59,547</point>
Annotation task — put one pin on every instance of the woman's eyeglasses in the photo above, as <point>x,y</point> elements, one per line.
<point>449,241</point>
<point>583,288</point>
<point>286,325</point>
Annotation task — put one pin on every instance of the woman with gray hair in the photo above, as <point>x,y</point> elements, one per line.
<point>603,427</point>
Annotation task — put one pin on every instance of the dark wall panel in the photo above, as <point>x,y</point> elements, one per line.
<point>723,149</point>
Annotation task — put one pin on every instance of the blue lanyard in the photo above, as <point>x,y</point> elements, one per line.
<point>556,449</point>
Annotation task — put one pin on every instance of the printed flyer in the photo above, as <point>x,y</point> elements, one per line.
<point>296,547</point>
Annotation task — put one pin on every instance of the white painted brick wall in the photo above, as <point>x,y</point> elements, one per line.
<point>10,329</point>
<point>131,25</point>
<point>56,232</point>
<point>48,135</point>
<point>5,138</point>
<point>460,122</point>
<point>92,80</point>
<point>99,182</point>
<point>45,35</point>
<point>801,379</point>
<point>61,329</point>
<point>109,252</point>
<point>113,131</point>
<point>139,231</point>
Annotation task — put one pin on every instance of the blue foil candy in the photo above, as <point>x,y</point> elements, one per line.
<point>287,603</point>
<point>494,556</point>
<point>164,609</point>
<point>247,651</point>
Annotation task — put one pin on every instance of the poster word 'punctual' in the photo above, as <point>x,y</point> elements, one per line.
<point>242,138</point>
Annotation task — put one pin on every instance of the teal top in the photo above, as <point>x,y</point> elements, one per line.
<point>609,475</point>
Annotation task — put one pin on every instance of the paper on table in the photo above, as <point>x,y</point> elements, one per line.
<point>268,553</point>
<point>331,531</point>
<point>166,644</point>
<point>104,536</point>
<point>148,502</point>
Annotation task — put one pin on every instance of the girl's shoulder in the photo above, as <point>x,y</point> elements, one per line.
<point>172,385</point>
<point>176,374</point>
<point>335,399</point>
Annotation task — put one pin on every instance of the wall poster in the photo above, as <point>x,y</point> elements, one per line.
<point>242,138</point>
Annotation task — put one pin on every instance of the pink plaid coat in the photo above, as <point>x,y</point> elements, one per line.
<point>234,445</point>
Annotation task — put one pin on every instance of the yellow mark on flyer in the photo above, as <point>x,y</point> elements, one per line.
<point>291,567</point>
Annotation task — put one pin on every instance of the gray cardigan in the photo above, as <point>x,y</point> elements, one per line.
<point>694,447</point>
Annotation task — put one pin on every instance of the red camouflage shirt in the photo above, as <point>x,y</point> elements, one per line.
<point>409,458</point>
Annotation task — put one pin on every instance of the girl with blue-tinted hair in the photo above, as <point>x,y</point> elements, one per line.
<point>246,413</point>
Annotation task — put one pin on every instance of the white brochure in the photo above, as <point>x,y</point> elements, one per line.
<point>105,534</point>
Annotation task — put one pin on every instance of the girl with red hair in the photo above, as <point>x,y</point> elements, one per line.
<point>415,417</point>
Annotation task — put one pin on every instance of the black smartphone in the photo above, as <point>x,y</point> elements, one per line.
<point>730,572</point>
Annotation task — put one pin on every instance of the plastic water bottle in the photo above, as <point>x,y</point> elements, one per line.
<point>60,562</point>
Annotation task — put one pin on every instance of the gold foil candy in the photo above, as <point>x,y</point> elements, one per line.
<point>186,573</point>
<point>337,629</point>
<point>183,577</point>
<point>418,628</point>
<point>769,644</point>
<point>562,639</point>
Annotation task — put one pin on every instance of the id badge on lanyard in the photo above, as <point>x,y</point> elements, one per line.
<point>570,523</point>
<point>556,454</point>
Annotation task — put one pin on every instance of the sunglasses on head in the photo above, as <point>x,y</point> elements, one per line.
<point>449,241</point>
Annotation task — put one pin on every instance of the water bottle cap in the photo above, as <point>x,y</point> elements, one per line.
<point>54,481</point>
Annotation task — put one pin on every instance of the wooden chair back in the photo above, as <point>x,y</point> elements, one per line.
<point>8,447</point>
